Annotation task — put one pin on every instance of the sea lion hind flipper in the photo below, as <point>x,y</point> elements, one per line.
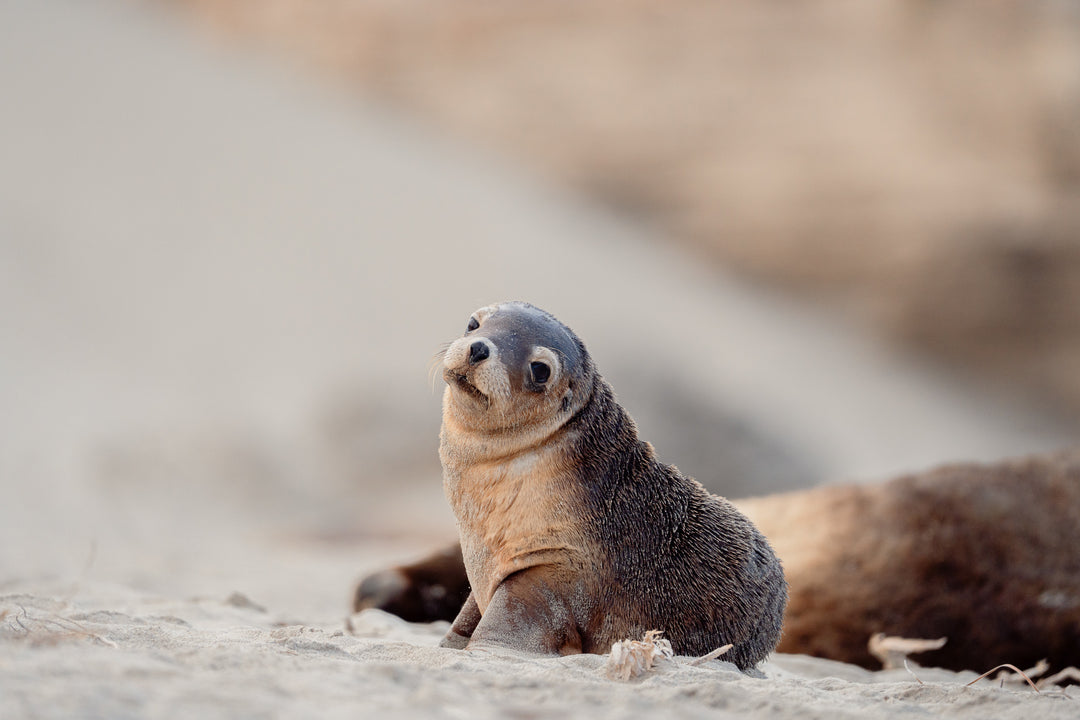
<point>464,625</point>
<point>433,588</point>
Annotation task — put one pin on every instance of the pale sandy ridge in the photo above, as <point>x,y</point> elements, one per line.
<point>122,654</point>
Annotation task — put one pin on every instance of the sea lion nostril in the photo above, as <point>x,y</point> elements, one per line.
<point>478,352</point>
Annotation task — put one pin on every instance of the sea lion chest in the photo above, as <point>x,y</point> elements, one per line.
<point>513,514</point>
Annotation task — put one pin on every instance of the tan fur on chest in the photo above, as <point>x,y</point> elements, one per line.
<point>514,514</point>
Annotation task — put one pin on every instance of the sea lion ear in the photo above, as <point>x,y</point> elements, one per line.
<point>566,399</point>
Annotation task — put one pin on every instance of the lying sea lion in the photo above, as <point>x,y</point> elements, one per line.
<point>985,555</point>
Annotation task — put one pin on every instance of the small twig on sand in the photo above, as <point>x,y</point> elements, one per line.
<point>25,615</point>
<point>51,628</point>
<point>66,625</point>
<point>892,651</point>
<point>711,656</point>
<point>631,658</point>
<point>1015,669</point>
<point>908,668</point>
<point>1069,673</point>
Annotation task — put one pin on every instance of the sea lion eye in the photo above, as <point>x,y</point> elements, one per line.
<point>540,372</point>
<point>473,324</point>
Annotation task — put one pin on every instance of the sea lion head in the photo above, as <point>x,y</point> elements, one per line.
<point>516,369</point>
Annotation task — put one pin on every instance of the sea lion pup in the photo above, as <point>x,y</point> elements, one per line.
<point>573,535</point>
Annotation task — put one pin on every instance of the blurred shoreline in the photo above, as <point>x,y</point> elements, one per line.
<point>913,166</point>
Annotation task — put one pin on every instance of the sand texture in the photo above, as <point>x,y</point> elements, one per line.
<point>113,652</point>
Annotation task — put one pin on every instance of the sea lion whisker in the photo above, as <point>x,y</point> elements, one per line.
<point>436,362</point>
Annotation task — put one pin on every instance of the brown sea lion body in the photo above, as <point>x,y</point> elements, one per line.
<point>985,555</point>
<point>573,535</point>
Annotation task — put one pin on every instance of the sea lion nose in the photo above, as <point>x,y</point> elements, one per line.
<point>478,352</point>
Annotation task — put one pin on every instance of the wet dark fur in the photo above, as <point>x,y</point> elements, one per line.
<point>986,555</point>
<point>677,558</point>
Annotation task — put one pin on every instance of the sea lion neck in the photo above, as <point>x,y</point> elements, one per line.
<point>605,436</point>
<point>463,439</point>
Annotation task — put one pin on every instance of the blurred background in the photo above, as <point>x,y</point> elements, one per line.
<point>806,242</point>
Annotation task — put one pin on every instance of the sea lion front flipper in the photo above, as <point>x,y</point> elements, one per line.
<point>529,612</point>
<point>464,625</point>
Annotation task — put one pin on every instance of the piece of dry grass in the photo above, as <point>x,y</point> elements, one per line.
<point>1059,678</point>
<point>1037,670</point>
<point>1019,677</point>
<point>912,672</point>
<point>632,658</point>
<point>892,651</point>
<point>1010,666</point>
<point>711,656</point>
<point>50,630</point>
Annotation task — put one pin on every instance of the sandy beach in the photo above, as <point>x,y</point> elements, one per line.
<point>113,652</point>
<point>221,283</point>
